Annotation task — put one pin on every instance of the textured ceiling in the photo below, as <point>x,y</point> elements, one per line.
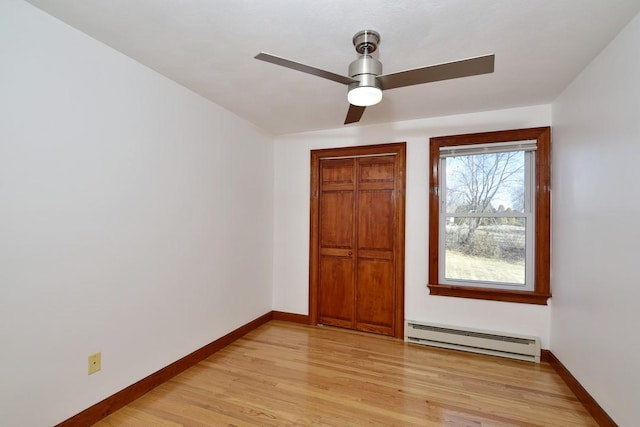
<point>208,46</point>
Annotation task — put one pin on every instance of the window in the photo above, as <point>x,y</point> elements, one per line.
<point>489,215</point>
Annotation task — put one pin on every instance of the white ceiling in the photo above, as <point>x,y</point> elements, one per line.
<point>209,45</point>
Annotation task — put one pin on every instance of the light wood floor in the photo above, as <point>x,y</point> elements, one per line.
<point>287,374</point>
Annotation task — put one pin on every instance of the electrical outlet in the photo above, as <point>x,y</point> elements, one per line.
<point>94,363</point>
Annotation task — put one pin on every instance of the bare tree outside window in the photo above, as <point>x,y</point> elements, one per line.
<point>485,236</point>
<point>489,215</point>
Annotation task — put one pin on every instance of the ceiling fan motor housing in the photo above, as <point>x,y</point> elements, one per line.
<point>365,69</point>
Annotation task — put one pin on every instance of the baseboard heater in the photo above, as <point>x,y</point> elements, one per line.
<point>485,342</point>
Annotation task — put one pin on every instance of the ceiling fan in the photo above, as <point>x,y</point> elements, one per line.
<point>366,81</point>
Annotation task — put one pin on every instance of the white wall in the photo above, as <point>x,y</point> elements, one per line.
<point>596,207</point>
<point>291,238</point>
<point>135,219</point>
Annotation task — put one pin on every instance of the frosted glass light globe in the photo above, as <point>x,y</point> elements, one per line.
<point>364,96</point>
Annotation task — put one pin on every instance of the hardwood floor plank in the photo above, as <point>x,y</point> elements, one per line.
<point>288,374</point>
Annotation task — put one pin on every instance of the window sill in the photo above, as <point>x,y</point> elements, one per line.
<point>523,297</point>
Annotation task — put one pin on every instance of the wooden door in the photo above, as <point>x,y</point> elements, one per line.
<point>336,292</point>
<point>357,238</point>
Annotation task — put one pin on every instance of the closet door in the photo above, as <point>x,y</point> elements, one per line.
<point>357,242</point>
<point>336,291</point>
<point>375,224</point>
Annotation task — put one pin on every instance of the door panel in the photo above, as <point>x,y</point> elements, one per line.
<point>336,293</point>
<point>337,172</point>
<point>375,220</point>
<point>375,296</point>
<point>377,169</point>
<point>336,219</point>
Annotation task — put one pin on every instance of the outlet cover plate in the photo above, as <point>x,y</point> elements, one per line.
<point>95,363</point>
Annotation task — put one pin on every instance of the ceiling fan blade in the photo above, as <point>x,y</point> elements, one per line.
<point>448,70</point>
<point>354,114</point>
<point>267,57</point>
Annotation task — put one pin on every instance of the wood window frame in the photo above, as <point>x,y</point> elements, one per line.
<point>542,185</point>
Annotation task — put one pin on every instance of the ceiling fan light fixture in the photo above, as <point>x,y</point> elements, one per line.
<point>366,90</point>
<point>365,80</point>
<point>364,96</point>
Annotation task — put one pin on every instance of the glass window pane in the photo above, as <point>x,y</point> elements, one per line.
<point>485,183</point>
<point>485,249</point>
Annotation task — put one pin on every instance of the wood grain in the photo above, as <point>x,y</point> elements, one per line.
<point>291,317</point>
<point>356,253</point>
<point>291,374</point>
<point>134,391</point>
<point>542,290</point>
<point>603,419</point>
